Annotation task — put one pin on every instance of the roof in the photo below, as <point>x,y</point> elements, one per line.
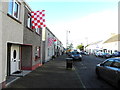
<point>118,58</point>
<point>113,39</point>
<point>95,42</point>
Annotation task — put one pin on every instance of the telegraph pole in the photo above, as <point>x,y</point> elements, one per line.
<point>67,38</point>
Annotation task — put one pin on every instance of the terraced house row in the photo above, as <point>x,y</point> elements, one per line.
<point>21,47</point>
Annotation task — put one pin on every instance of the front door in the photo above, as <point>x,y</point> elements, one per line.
<point>15,60</point>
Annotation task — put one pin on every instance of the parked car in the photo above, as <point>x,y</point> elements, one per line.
<point>68,53</point>
<point>76,56</point>
<point>86,53</point>
<point>82,52</point>
<point>101,54</point>
<point>97,54</point>
<point>109,70</point>
<point>116,54</point>
<point>106,55</point>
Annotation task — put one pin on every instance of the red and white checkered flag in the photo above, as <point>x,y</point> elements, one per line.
<point>38,19</point>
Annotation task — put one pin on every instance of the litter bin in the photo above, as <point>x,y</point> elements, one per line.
<point>69,62</point>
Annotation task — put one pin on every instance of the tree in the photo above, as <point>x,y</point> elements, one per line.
<point>80,47</point>
<point>70,47</point>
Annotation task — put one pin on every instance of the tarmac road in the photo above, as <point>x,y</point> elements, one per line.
<point>86,71</point>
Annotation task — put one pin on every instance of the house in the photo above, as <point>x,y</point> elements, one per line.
<point>20,47</point>
<point>51,46</point>
<point>48,45</point>
<point>12,38</point>
<point>94,47</point>
<point>23,48</point>
<point>32,41</point>
<point>112,44</point>
<point>109,45</point>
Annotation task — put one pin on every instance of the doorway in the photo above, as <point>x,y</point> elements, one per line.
<point>14,58</point>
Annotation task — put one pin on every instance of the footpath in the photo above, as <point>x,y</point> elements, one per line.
<point>52,74</point>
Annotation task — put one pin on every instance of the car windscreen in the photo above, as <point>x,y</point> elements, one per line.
<point>75,53</point>
<point>118,52</point>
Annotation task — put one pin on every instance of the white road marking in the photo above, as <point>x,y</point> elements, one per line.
<point>79,77</point>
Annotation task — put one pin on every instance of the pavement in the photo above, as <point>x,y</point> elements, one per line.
<point>52,74</point>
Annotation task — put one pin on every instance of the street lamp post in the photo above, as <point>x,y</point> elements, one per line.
<point>67,38</point>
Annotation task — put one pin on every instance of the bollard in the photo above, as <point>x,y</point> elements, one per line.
<point>69,62</point>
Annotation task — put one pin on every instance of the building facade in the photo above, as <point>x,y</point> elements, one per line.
<point>20,45</point>
<point>32,40</point>
<point>12,37</point>
<point>109,45</point>
<point>52,46</point>
<point>48,45</point>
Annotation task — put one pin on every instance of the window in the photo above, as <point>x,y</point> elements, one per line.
<point>14,54</point>
<point>37,53</point>
<point>10,9</point>
<point>13,9</point>
<point>116,64</point>
<point>108,63</point>
<point>38,31</point>
<point>48,52</point>
<point>29,24</point>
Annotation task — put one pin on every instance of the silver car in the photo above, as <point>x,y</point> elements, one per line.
<point>76,56</point>
<point>109,70</point>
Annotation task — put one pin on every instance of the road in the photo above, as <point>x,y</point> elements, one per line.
<point>85,70</point>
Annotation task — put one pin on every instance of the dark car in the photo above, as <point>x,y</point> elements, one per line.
<point>109,70</point>
<point>116,54</point>
<point>82,53</point>
<point>76,55</point>
<point>106,55</point>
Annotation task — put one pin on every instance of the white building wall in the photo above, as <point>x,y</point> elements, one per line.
<point>0,45</point>
<point>119,46</point>
<point>12,32</point>
<point>119,17</point>
<point>111,46</point>
<point>49,50</point>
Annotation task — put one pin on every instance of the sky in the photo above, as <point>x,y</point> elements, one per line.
<point>87,20</point>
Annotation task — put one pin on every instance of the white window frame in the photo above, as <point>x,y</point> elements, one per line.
<point>13,9</point>
<point>29,24</point>
<point>37,30</point>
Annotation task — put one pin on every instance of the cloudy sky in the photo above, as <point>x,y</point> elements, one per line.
<point>87,20</point>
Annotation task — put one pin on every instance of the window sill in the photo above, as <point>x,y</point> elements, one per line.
<point>29,28</point>
<point>14,18</point>
<point>37,33</point>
